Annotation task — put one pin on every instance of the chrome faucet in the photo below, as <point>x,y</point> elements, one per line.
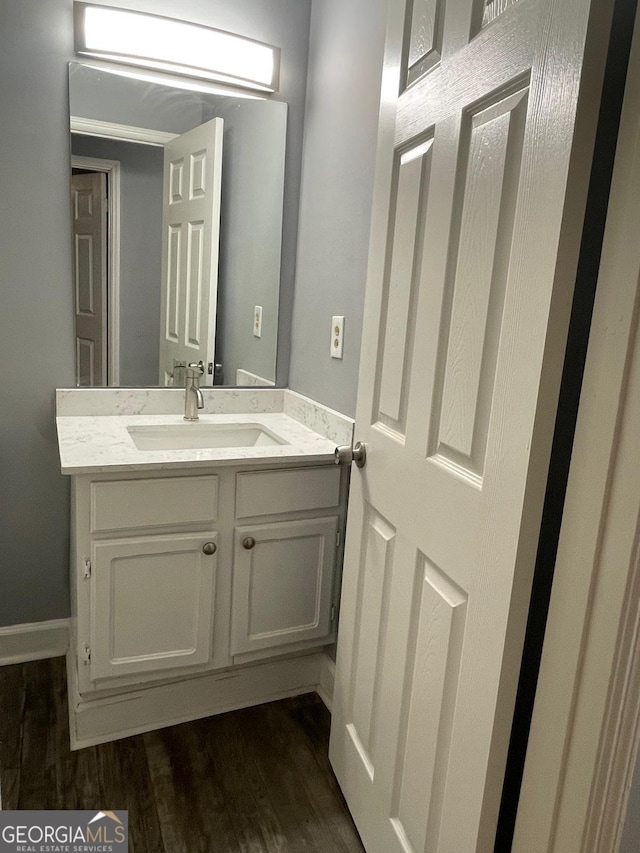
<point>193,399</point>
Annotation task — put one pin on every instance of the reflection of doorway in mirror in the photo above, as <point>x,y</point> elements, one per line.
<point>139,242</point>
<point>95,196</point>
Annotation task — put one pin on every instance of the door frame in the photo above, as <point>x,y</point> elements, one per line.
<point>112,169</point>
<point>585,730</point>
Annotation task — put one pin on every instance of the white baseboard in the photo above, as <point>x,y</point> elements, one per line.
<point>326,680</point>
<point>33,641</point>
<point>107,718</point>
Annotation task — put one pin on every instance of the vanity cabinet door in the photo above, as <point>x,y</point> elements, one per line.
<point>152,604</point>
<point>282,583</point>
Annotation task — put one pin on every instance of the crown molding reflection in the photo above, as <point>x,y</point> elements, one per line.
<point>122,132</point>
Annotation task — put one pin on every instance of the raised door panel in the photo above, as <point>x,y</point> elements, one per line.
<point>152,604</point>
<point>425,37</point>
<point>412,169</point>
<point>88,206</point>
<point>491,146</point>
<point>282,585</point>
<point>174,283</point>
<point>194,282</point>
<point>493,9</point>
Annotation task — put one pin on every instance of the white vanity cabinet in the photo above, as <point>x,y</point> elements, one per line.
<point>205,556</point>
<point>177,574</point>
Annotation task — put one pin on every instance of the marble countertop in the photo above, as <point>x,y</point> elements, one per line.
<point>101,444</point>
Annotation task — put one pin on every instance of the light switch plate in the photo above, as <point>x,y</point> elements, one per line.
<point>337,336</point>
<point>257,321</point>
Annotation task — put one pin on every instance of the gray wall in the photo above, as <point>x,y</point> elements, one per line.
<point>345,64</point>
<point>250,235</point>
<point>35,316</point>
<point>36,353</point>
<point>141,169</point>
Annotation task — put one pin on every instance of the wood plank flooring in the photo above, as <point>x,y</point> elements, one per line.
<point>251,781</point>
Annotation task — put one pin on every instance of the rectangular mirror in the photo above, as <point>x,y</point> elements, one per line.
<point>177,199</point>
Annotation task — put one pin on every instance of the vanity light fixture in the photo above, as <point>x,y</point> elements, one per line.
<point>177,47</point>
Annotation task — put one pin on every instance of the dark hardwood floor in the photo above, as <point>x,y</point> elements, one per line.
<point>244,782</point>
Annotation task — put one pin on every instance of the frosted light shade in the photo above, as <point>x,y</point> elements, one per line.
<point>178,47</point>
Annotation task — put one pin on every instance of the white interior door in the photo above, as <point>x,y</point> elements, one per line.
<point>88,210</point>
<point>190,229</point>
<point>465,324</point>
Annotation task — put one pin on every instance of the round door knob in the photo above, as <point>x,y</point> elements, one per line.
<point>345,455</point>
<point>248,543</point>
<point>209,548</point>
<point>360,454</point>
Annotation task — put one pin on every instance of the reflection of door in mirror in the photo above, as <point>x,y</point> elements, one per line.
<point>88,205</point>
<point>190,239</point>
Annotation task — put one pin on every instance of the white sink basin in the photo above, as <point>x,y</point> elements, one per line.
<point>198,436</point>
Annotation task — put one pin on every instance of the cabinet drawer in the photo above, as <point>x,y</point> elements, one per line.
<point>289,490</point>
<point>161,502</point>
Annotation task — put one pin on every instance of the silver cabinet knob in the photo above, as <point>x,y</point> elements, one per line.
<point>248,543</point>
<point>345,455</point>
<point>209,548</point>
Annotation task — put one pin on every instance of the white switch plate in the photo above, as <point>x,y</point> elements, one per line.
<point>337,335</point>
<point>257,321</point>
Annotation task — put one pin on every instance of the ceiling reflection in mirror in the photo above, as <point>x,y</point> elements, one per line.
<point>177,240</point>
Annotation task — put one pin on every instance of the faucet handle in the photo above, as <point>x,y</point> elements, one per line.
<point>196,366</point>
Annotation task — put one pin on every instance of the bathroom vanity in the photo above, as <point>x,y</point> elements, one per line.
<point>205,557</point>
